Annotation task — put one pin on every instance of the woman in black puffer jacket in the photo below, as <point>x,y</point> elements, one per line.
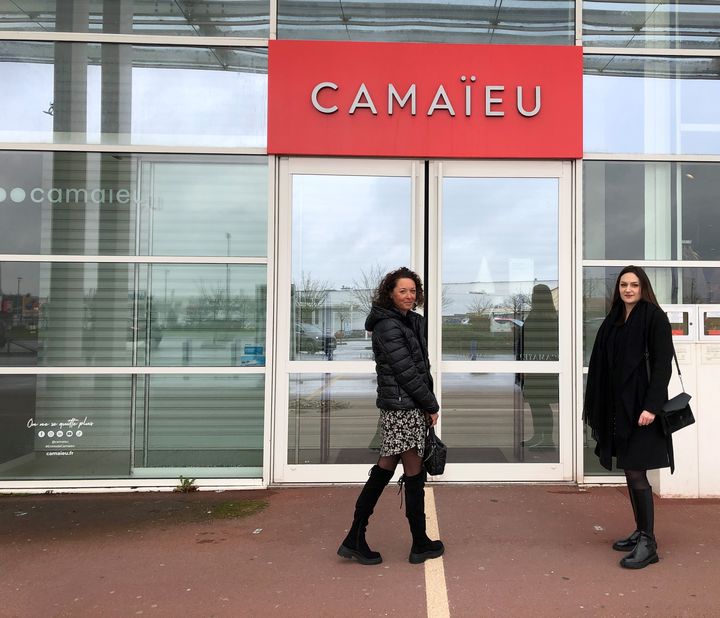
<point>407,407</point>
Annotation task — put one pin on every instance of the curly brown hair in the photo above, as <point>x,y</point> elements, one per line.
<point>383,294</point>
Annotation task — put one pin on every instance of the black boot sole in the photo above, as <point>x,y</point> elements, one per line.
<point>421,557</point>
<point>639,565</point>
<point>346,552</point>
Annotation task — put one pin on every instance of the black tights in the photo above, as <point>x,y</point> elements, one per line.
<point>637,479</point>
<point>411,461</point>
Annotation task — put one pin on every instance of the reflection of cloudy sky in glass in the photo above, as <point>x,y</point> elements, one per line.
<point>23,103</point>
<point>499,229</point>
<point>651,115</point>
<point>346,225</point>
<point>169,105</point>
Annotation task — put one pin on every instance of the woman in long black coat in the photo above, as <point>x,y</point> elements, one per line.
<point>629,372</point>
<point>407,407</point>
<point>540,342</point>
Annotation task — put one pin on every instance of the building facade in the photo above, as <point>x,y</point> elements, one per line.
<point>186,263</point>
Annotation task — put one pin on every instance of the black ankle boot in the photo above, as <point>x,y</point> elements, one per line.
<point>354,545</point>
<point>422,548</point>
<point>628,543</point>
<point>645,553</point>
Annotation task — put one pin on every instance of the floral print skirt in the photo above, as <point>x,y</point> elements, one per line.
<point>402,430</point>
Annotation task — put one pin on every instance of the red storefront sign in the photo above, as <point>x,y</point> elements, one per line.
<point>424,100</point>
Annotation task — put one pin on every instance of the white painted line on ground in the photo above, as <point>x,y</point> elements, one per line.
<point>435,588</point>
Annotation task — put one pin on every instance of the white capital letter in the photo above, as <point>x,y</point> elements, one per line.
<point>520,102</point>
<point>489,100</point>
<point>393,94</point>
<point>363,92</point>
<point>441,94</point>
<point>314,97</point>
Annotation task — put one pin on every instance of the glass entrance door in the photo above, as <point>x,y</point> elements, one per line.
<point>490,236</point>
<point>501,254</point>
<point>343,224</point>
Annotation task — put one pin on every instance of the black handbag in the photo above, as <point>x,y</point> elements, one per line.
<point>435,454</point>
<point>676,412</point>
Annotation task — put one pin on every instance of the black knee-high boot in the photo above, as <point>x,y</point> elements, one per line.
<point>645,551</point>
<point>422,547</point>
<point>354,545</point>
<point>628,543</point>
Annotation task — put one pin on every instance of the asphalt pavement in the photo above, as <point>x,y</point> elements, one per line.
<point>511,550</point>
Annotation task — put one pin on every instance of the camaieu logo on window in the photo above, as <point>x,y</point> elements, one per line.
<point>55,195</point>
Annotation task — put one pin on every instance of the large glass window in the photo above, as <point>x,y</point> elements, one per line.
<point>651,210</point>
<point>242,18</point>
<point>197,295</point>
<point>500,267</point>
<point>128,204</point>
<point>68,426</point>
<point>333,419</point>
<point>99,314</point>
<point>653,105</point>
<point>347,232</point>
<point>492,418</point>
<point>537,22</point>
<point>648,23</point>
<point>63,426</point>
<point>200,421</point>
<point>204,206</point>
<point>66,314</point>
<point>121,94</point>
<point>673,286</point>
<point>199,315</point>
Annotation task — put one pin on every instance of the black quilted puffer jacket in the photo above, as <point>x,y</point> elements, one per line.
<point>401,360</point>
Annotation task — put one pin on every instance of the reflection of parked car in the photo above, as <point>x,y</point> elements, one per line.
<point>506,320</point>
<point>310,338</point>
<point>456,319</point>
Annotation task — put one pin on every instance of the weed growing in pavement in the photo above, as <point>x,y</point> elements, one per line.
<point>186,485</point>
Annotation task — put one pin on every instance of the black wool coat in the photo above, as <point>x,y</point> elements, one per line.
<point>619,388</point>
<point>540,342</point>
<point>401,360</point>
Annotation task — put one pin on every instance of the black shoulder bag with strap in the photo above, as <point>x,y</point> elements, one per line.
<point>676,412</point>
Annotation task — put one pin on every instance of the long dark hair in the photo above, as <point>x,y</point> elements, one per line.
<point>383,294</point>
<point>646,289</point>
